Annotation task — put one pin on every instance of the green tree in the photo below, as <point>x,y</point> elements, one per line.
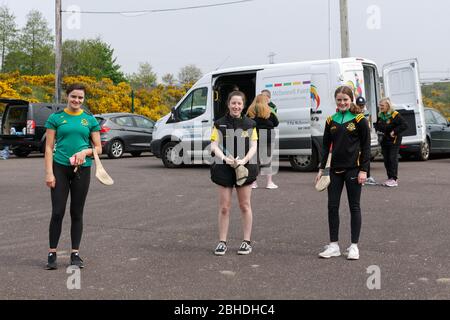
<point>91,57</point>
<point>32,53</point>
<point>189,74</point>
<point>8,32</point>
<point>145,78</point>
<point>168,79</point>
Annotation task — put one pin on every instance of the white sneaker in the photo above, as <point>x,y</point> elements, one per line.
<point>392,183</point>
<point>254,185</point>
<point>352,253</point>
<point>272,186</point>
<point>331,250</point>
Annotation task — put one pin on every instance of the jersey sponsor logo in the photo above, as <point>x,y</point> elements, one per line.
<point>351,127</point>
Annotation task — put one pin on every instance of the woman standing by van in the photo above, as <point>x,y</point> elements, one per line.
<point>391,125</point>
<point>265,120</point>
<point>347,133</point>
<point>234,141</point>
<point>68,168</point>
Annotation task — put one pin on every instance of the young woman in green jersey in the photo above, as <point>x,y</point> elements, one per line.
<point>347,133</point>
<point>68,153</point>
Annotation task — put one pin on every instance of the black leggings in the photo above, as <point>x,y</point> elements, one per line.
<point>390,157</point>
<point>78,184</point>
<point>350,178</point>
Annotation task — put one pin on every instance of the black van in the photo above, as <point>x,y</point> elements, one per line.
<point>23,125</point>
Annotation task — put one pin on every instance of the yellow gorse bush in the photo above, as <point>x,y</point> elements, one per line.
<point>101,96</point>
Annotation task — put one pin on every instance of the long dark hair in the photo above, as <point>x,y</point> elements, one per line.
<point>348,91</point>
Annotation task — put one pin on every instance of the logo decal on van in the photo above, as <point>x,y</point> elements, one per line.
<point>315,96</point>
<point>356,88</point>
<point>287,84</point>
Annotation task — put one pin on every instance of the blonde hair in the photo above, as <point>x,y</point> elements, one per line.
<point>389,104</point>
<point>259,107</point>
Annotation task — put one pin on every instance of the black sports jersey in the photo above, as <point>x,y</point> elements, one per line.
<point>388,122</point>
<point>234,136</point>
<point>350,135</point>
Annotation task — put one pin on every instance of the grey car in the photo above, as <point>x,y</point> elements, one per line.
<point>125,133</point>
<point>438,137</point>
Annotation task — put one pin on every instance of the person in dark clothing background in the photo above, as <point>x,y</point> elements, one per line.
<point>390,125</point>
<point>347,133</point>
<point>361,102</point>
<point>272,105</point>
<point>266,120</point>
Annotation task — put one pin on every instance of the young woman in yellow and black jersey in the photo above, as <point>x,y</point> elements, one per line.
<point>234,142</point>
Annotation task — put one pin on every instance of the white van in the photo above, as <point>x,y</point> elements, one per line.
<point>303,93</point>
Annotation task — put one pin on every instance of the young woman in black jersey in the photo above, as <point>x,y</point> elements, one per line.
<point>390,125</point>
<point>347,137</point>
<point>234,141</point>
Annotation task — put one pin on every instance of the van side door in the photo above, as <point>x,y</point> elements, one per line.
<point>291,92</point>
<point>402,86</point>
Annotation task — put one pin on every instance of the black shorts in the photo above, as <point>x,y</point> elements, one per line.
<point>225,176</point>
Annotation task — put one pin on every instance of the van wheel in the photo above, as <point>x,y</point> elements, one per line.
<point>115,150</point>
<point>305,163</point>
<point>172,155</point>
<point>424,153</point>
<point>21,153</point>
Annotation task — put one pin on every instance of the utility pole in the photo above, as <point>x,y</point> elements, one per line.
<point>58,51</point>
<point>345,43</point>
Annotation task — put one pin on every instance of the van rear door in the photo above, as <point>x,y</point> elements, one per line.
<point>15,116</point>
<point>402,86</point>
<point>290,90</point>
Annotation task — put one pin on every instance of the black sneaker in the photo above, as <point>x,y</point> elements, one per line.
<point>51,261</point>
<point>75,260</point>
<point>245,248</point>
<point>221,248</point>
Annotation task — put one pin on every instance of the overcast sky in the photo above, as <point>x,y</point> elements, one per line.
<point>245,33</point>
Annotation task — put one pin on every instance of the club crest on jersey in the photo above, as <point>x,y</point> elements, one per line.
<point>351,127</point>
<point>84,122</point>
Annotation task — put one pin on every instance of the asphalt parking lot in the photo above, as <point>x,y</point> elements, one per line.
<point>151,236</point>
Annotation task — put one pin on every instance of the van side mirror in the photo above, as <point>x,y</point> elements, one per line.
<point>173,113</point>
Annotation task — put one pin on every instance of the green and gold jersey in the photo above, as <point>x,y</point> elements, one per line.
<point>73,131</point>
